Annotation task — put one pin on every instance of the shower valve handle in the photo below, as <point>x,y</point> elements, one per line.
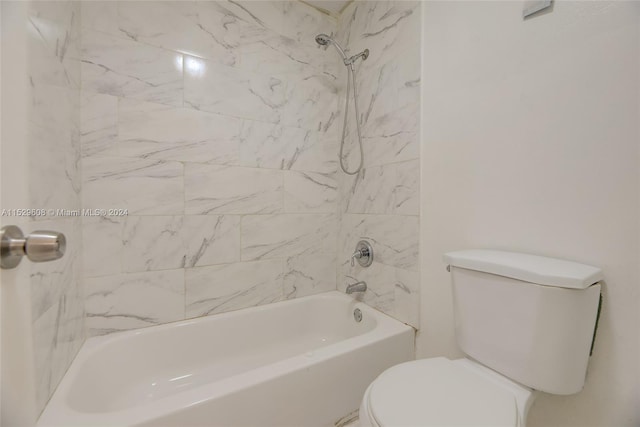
<point>363,253</point>
<point>356,255</point>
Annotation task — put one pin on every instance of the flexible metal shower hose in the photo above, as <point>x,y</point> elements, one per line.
<point>351,74</point>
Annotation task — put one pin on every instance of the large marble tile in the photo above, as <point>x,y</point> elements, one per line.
<point>156,131</point>
<point>57,309</point>
<point>302,22</point>
<point>227,287</point>
<point>291,19</point>
<point>125,68</point>
<point>407,297</point>
<point>99,124</point>
<point>381,204</point>
<point>267,145</point>
<point>170,242</point>
<point>286,235</point>
<point>391,148</point>
<point>71,330</point>
<point>235,190</point>
<point>310,100</point>
<point>386,189</point>
<point>44,337</point>
<point>54,141</point>
<point>263,14</point>
<point>56,107</point>
<point>277,55</point>
<point>51,281</point>
<point>309,274</point>
<point>152,243</point>
<point>184,26</point>
<point>394,239</point>
<point>130,301</point>
<point>233,92</point>
<point>142,186</point>
<point>217,34</point>
<point>102,245</point>
<point>53,138</point>
<point>317,155</point>
<point>211,239</point>
<point>387,28</point>
<point>272,146</point>
<point>53,44</point>
<point>57,337</point>
<point>310,192</point>
<point>389,99</point>
<point>370,191</point>
<point>407,192</point>
<point>389,80</point>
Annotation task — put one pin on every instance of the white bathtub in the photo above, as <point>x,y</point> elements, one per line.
<point>304,362</point>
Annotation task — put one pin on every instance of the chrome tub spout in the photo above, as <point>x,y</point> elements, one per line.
<point>356,287</point>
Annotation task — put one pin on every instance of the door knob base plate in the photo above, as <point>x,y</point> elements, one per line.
<point>11,246</point>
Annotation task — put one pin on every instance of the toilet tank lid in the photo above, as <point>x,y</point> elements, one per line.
<point>529,268</point>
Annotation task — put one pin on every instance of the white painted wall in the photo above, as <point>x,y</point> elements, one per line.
<point>530,143</point>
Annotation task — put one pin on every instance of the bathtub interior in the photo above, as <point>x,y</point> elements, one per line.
<point>133,368</point>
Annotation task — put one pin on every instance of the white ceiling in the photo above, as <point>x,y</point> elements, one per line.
<point>333,7</point>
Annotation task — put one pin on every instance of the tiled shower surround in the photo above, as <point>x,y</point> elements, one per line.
<point>53,120</point>
<point>381,204</point>
<point>216,125</point>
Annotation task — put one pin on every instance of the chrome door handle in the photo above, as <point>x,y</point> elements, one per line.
<point>39,246</point>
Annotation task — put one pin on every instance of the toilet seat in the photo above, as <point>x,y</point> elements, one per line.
<point>438,392</point>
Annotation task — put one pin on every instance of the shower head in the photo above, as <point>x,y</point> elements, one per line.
<point>323,39</point>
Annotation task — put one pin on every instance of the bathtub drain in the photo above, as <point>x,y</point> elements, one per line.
<point>357,314</point>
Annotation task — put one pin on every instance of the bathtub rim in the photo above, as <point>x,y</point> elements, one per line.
<point>93,344</point>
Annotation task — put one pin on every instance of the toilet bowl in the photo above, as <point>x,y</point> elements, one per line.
<point>525,322</point>
<point>443,392</point>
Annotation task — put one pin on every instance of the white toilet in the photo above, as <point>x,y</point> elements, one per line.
<point>527,324</point>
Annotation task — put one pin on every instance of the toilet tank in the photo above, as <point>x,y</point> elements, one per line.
<point>527,317</point>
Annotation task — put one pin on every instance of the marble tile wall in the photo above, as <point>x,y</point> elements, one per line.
<point>53,176</point>
<point>213,124</point>
<point>381,204</point>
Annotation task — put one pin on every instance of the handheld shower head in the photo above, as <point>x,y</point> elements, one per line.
<point>323,39</point>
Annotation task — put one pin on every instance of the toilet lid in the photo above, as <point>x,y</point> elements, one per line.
<point>439,392</point>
